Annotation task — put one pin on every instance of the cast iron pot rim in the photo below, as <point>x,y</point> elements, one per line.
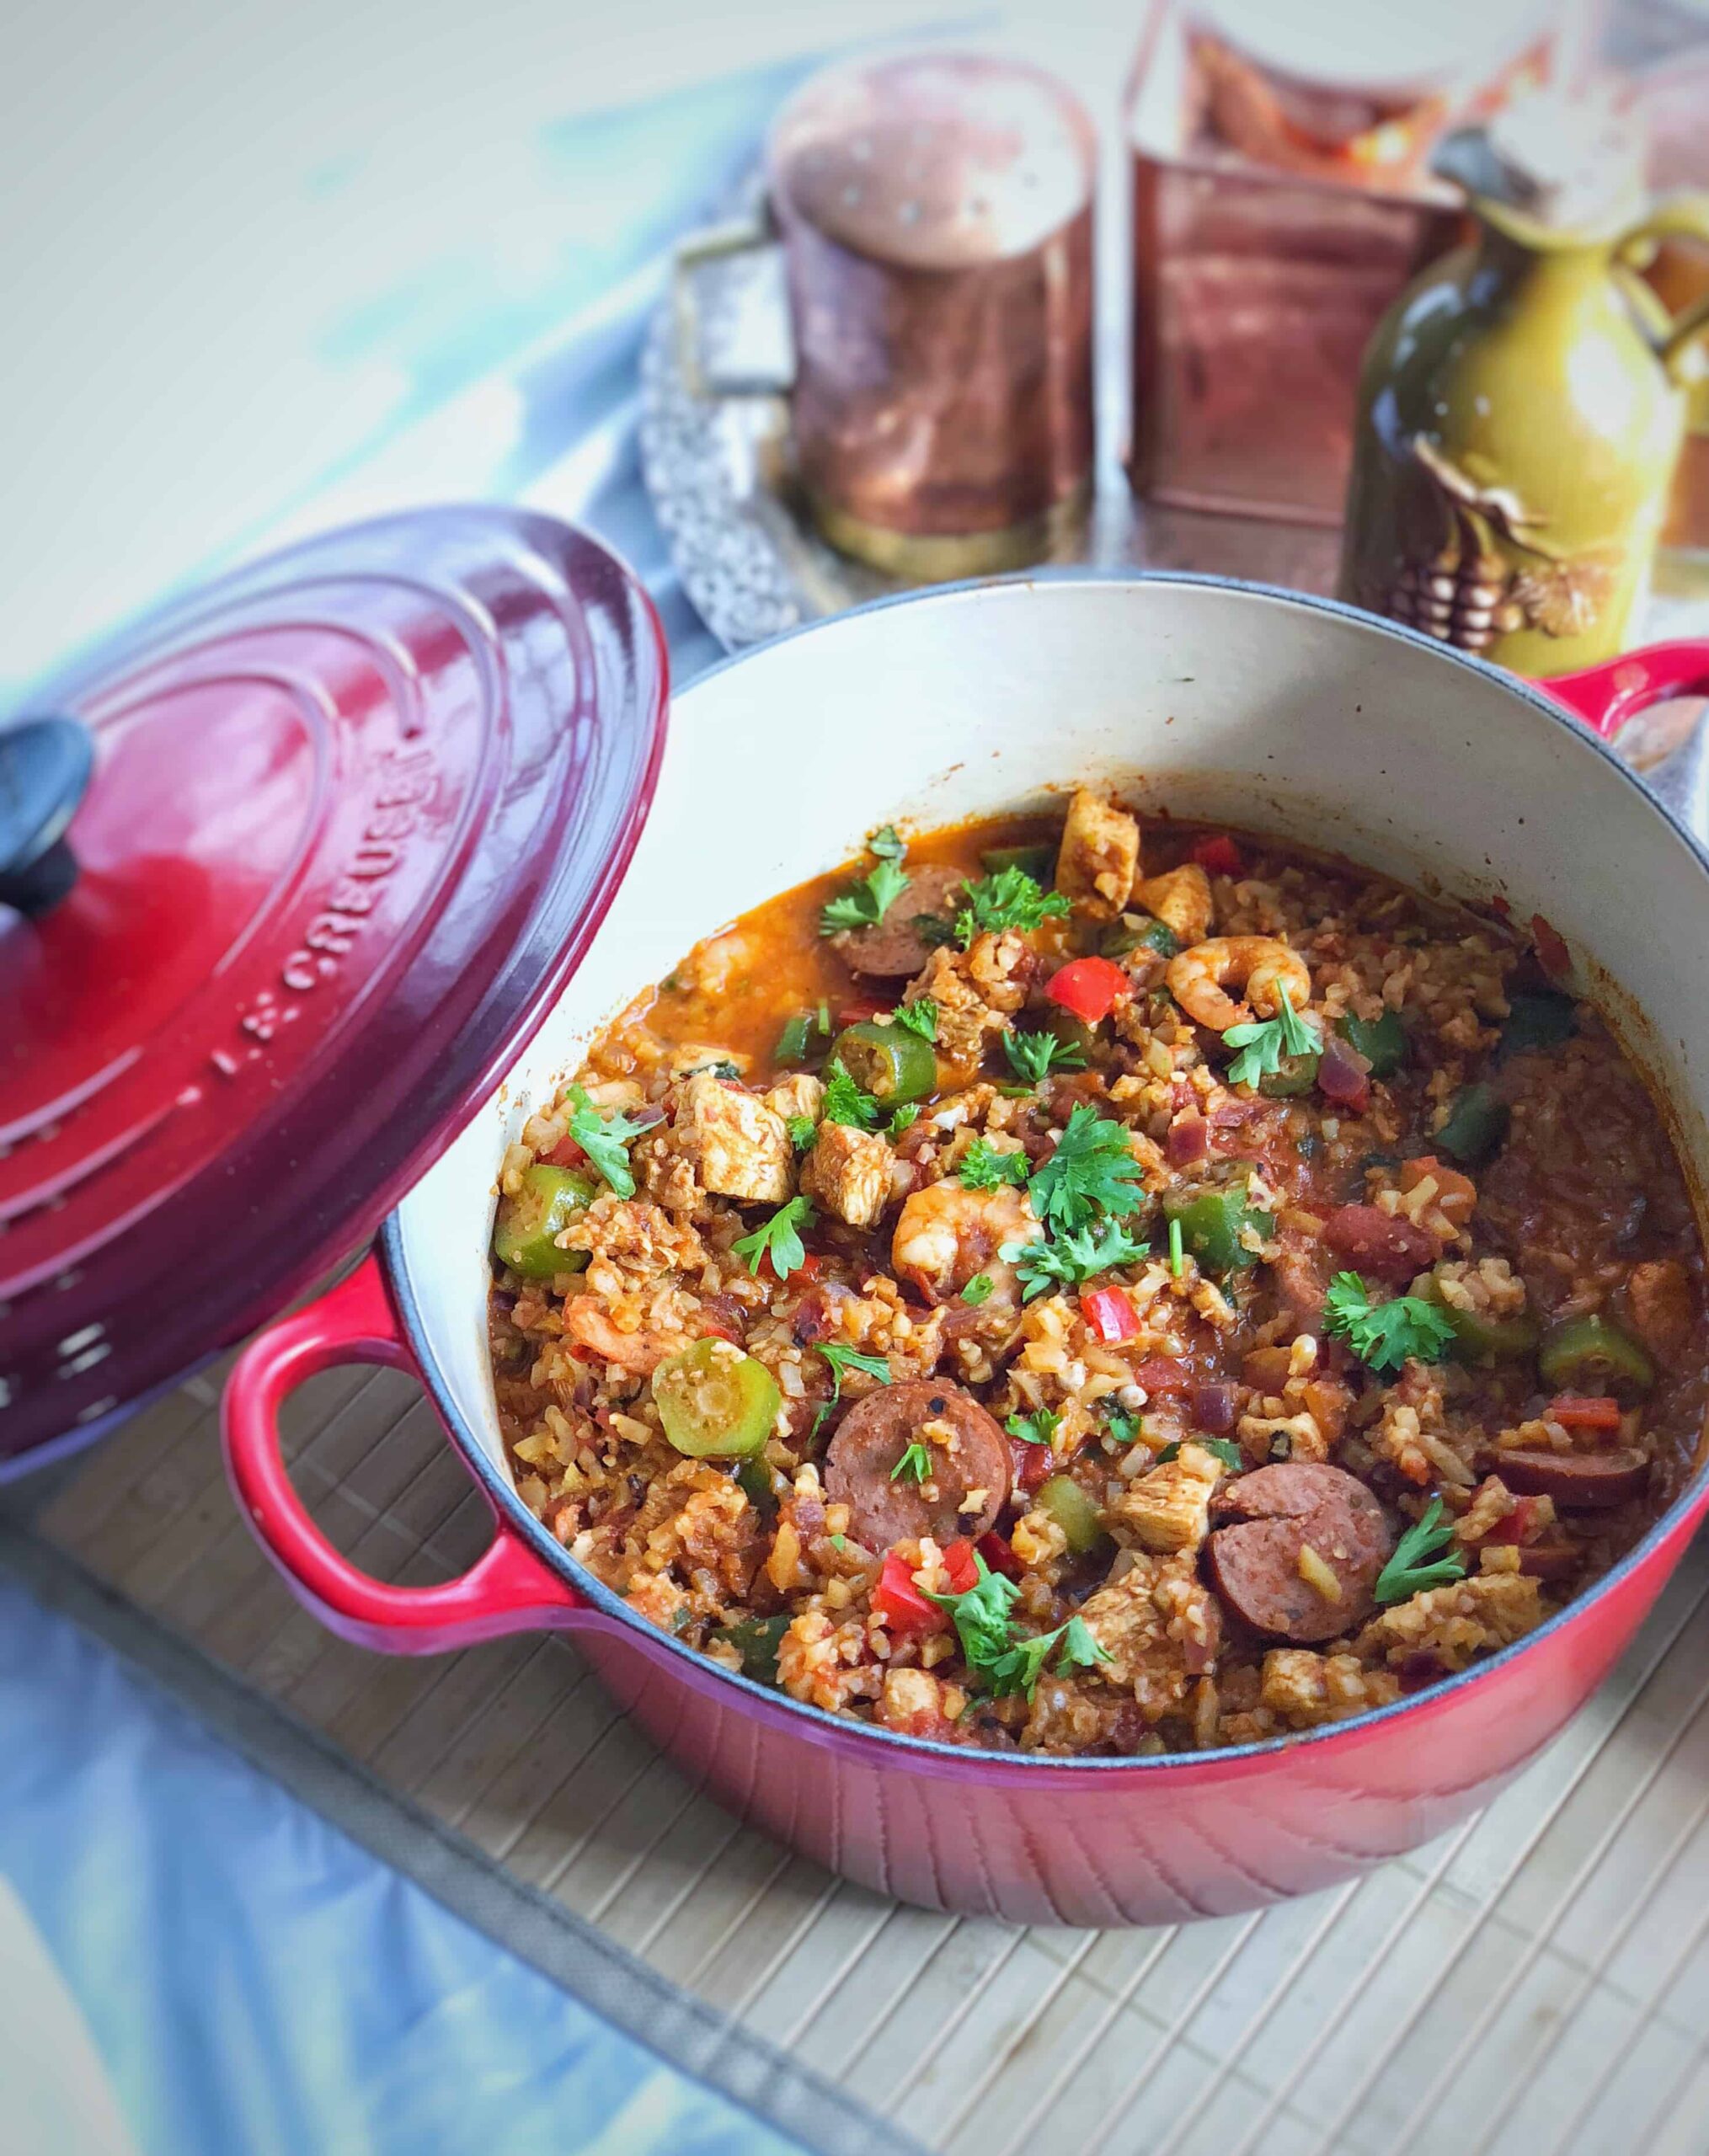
<point>819,1725</point>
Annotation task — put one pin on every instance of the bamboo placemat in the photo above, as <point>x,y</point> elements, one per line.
<point>1536,1982</point>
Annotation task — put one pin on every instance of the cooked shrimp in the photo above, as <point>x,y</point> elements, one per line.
<point>587,1322</point>
<point>946,1234</point>
<point>1263,965</point>
<point>1180,898</point>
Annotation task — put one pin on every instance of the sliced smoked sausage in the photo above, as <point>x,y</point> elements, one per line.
<point>894,948</point>
<point>1578,1481</point>
<point>1384,1247</point>
<point>1267,1519</point>
<point>873,1436</point>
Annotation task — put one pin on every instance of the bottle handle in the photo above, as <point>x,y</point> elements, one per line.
<point>1681,216</point>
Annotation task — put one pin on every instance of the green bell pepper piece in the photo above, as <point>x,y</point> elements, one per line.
<point>1594,1355</point>
<point>791,1042</point>
<point>1133,933</point>
<point>888,1062</point>
<point>1038,862</point>
<point>1477,1124</point>
<point>1211,1221</point>
<point>1382,1042</point>
<point>755,1479</point>
<point>1068,1505</point>
<point>715,1402</point>
<point>529,1221</point>
<point>1543,1019</point>
<point>756,1641</point>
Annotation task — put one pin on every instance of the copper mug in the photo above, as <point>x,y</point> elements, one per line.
<point>934,217</point>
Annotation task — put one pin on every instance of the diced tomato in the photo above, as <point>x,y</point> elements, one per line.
<point>811,1263</point>
<point>709,1331</point>
<point>958,1562</point>
<point>905,1611</point>
<point>1109,1313</point>
<point>999,1557</point>
<point>859,1013</point>
<point>1573,1412</point>
<point>1219,854</point>
<point>567,1154</point>
<point>1087,987</point>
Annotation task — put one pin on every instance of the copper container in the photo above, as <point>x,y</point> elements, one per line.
<point>936,213</point>
<point>1272,227</point>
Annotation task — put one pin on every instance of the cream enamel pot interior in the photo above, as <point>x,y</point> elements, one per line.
<point>1215,700</point>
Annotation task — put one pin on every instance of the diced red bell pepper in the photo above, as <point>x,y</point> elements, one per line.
<point>860,1013</point>
<point>1109,1313</point>
<point>811,1263</point>
<point>958,1562</point>
<point>999,1557</point>
<point>1514,1526</point>
<point>1574,1412</point>
<point>1218,855</point>
<point>1087,987</point>
<point>567,1154</point>
<point>905,1611</point>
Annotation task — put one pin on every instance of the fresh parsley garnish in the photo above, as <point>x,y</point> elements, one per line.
<point>1008,1665</point>
<point>1092,1171</point>
<point>907,1113</point>
<point>866,902</point>
<point>1423,1559</point>
<point>1386,1335</point>
<point>778,1239</point>
<point>605,1139</point>
<point>1034,1429</point>
<point>916,1462</point>
<point>920,1017</point>
<point>978,1290</point>
<point>843,1359</point>
<point>1121,1426</point>
<point>1265,1042</point>
<point>1226,1450</point>
<point>845,1102</point>
<point>1009,900</point>
<point>803,1130</point>
<point>1033,1056</point>
<point>985,1167</point>
<point>1077,1255</point>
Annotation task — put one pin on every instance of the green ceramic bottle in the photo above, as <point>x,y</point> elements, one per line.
<point>1521,411</point>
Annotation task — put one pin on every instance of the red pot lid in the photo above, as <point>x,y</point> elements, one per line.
<point>352,818</point>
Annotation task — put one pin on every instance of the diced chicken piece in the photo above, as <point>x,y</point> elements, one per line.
<point>1180,898</point>
<point>1099,856</point>
<point>1491,1502</point>
<point>1452,1623</point>
<point>825,1664</point>
<point>1169,1508</point>
<point>799,1094</point>
<point>848,1173</point>
<point>919,1704</point>
<point>739,1143</point>
<point>1161,1627</point>
<point>976,992</point>
<point>1307,1689</point>
<point>1660,1294</point>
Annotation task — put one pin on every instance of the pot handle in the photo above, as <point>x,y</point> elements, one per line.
<point>1607,696</point>
<point>508,1590</point>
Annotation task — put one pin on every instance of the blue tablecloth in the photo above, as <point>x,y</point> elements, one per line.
<point>251,1980</point>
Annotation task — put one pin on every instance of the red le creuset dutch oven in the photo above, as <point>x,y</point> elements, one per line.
<point>1247,707</point>
<point>1212,699</point>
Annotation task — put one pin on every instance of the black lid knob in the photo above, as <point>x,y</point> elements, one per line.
<point>45,769</point>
